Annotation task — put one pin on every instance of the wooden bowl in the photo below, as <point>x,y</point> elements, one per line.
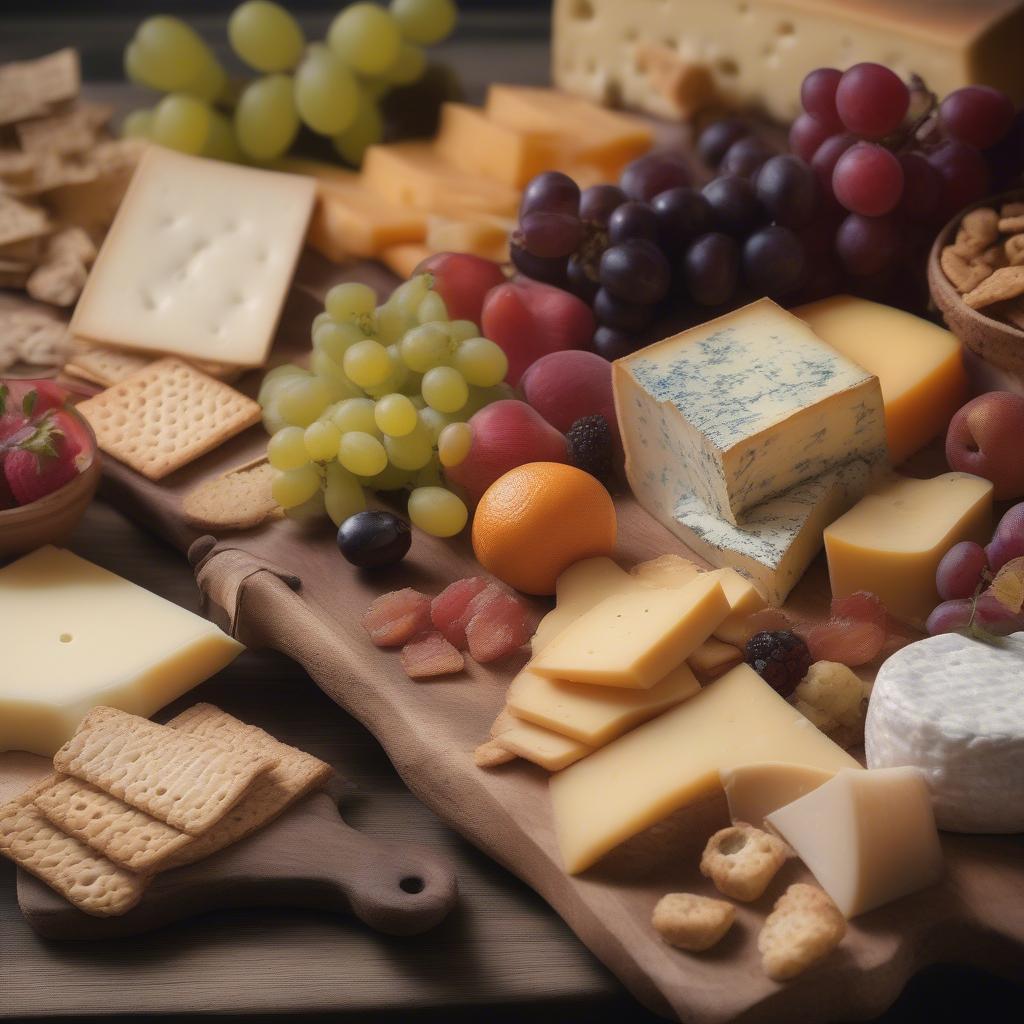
<point>998,344</point>
<point>51,519</point>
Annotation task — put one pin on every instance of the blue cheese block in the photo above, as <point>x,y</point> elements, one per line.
<point>779,538</point>
<point>739,410</point>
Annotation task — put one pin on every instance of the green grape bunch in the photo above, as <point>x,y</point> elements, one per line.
<point>383,406</point>
<point>332,87</point>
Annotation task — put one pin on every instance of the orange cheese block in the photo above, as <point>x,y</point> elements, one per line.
<point>415,176</point>
<point>484,235</point>
<point>404,259</point>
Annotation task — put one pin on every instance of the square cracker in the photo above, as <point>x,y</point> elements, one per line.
<point>19,221</point>
<point>165,416</point>
<point>103,366</point>
<point>139,842</point>
<point>29,87</point>
<point>237,500</point>
<point>181,779</point>
<point>198,260</point>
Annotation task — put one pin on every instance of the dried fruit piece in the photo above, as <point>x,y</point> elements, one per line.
<point>767,620</point>
<point>448,609</point>
<point>844,640</point>
<point>863,606</point>
<point>781,659</point>
<point>395,618</point>
<point>499,628</point>
<point>431,655</point>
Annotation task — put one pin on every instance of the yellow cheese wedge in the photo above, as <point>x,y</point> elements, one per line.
<point>891,542</point>
<point>642,777</point>
<point>755,790</point>
<point>484,235</point>
<point>868,837</point>
<point>918,365</point>
<point>744,599</point>
<point>404,259</point>
<point>666,571</point>
<point>550,750</point>
<point>635,640</point>
<point>712,658</point>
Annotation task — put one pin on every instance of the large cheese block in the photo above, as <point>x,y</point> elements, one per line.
<point>665,764</point>
<point>891,542</point>
<point>739,410</point>
<point>951,706</point>
<point>78,636</point>
<point>919,365</point>
<point>758,51</point>
<point>753,791</point>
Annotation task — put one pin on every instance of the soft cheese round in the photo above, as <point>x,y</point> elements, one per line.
<point>954,707</point>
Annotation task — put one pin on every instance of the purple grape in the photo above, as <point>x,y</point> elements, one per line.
<point>599,202</point>
<point>773,261</point>
<point>734,204</point>
<point>949,617</point>
<point>553,192</point>
<point>550,271</point>
<point>633,220</point>
<point>1003,548</point>
<point>788,190</point>
<point>818,95</point>
<point>582,281</point>
<point>806,135</point>
<point>745,157</point>
<point>683,214</point>
<point>716,139</point>
<point>711,269</point>
<point>995,617</point>
<point>630,317</point>
<point>612,344</point>
<point>1012,523</point>
<point>549,235</point>
<point>653,173</point>
<point>1006,157</point>
<point>635,271</point>
<point>959,572</point>
<point>867,245</point>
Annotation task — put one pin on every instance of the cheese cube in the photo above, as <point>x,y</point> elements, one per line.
<point>891,542</point>
<point>868,837</point>
<point>919,365</point>
<point>635,640</point>
<point>665,764</point>
<point>484,235</point>
<point>755,790</point>
<point>740,409</point>
<point>83,636</point>
<point>403,260</point>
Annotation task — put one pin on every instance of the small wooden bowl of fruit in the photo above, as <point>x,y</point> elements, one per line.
<point>49,466</point>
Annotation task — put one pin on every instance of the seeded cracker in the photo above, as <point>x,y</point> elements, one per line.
<point>165,416</point>
<point>238,500</point>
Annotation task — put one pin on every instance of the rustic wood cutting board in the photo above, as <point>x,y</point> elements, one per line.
<point>285,587</point>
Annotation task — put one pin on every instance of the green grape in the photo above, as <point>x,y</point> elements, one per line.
<point>425,347</point>
<point>350,301</point>
<point>135,69</point>
<point>265,36</point>
<point>399,371</point>
<point>366,37</point>
<point>333,375</point>
<point>321,439</point>
<point>428,476</point>
<point>367,363</point>
<point>396,415</point>
<point>411,387</point>
<point>481,362</point>
<point>366,129</point>
<point>137,124</point>
<point>291,487</point>
<point>375,88</point>
<point>424,21</point>
<point>320,318</point>
<point>168,54</point>
<point>392,322</point>
<point>181,122</point>
<point>431,309</point>
<point>408,66</point>
<point>444,389</point>
<point>454,444</point>
<point>272,419</point>
<point>310,511</point>
<point>301,401</point>
<point>389,479</point>
<point>460,330</point>
<point>408,295</point>
<point>336,339</point>
<point>355,414</point>
<point>437,511</point>
<point>274,380</point>
<point>480,397</point>
<point>221,143</point>
<point>326,93</point>
<point>210,84</point>
<point>362,453</point>
<point>343,494</point>
<point>266,120</point>
<point>287,449</point>
<point>434,421</point>
<point>413,451</point>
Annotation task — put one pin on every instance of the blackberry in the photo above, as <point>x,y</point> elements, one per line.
<point>590,447</point>
<point>781,659</point>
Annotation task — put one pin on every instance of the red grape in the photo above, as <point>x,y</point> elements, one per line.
<point>806,134</point>
<point>949,617</point>
<point>734,204</point>
<point>1003,548</point>
<point>871,100</point>
<point>745,156</point>
<point>922,187</point>
<point>867,245</point>
<point>773,261</point>
<point>711,268</point>
<point>823,163</point>
<point>868,180</point>
<point>818,95</point>
<point>976,114</point>
<point>787,189</point>
<point>632,220</point>
<point>683,213</point>
<point>716,139</point>
<point>964,175</point>
<point>1012,523</point>
<point>959,572</point>
<point>652,173</point>
<point>635,271</point>
<point>598,202</point>
<point>549,235</point>
<point>621,314</point>
<point>552,192</point>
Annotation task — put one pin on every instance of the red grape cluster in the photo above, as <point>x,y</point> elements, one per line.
<point>964,579</point>
<point>655,243</point>
<point>894,164</point>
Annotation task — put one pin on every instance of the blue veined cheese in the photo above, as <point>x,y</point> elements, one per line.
<point>779,538</point>
<point>739,410</point>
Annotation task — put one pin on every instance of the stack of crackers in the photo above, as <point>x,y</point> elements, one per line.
<point>129,799</point>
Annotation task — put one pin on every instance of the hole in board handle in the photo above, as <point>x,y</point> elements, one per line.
<point>412,885</point>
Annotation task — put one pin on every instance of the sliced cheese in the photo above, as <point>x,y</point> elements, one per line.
<point>642,777</point>
<point>891,542</point>
<point>635,640</point>
<point>484,235</point>
<point>919,365</point>
<point>713,658</point>
<point>868,837</point>
<point>744,599</point>
<point>549,750</point>
<point>404,259</point>
<point>755,790</point>
<point>666,571</point>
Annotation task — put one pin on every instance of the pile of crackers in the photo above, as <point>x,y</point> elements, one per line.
<point>129,799</point>
<point>62,177</point>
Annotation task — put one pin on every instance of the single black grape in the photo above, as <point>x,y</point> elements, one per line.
<point>633,220</point>
<point>683,214</point>
<point>612,344</point>
<point>620,314</point>
<point>374,539</point>
<point>773,261</point>
<point>582,279</point>
<point>788,189</point>
<point>549,235</point>
<point>745,156</point>
<point>598,202</point>
<point>733,202</point>
<point>550,271</point>
<point>716,139</point>
<point>711,269</point>
<point>653,173</point>
<point>635,271</point>
<point>552,192</point>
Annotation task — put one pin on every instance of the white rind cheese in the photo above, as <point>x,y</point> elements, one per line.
<point>740,410</point>
<point>953,707</point>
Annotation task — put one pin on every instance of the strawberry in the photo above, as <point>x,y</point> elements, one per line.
<point>45,455</point>
<point>22,400</point>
